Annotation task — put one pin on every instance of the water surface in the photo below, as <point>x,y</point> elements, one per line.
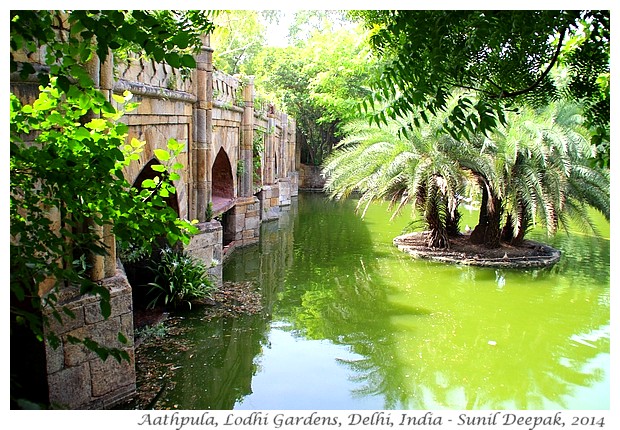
<point>350,322</point>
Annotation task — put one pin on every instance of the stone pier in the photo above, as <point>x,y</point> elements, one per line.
<point>77,377</point>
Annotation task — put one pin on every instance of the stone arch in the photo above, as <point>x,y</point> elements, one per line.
<point>223,186</point>
<point>148,173</point>
<point>137,268</point>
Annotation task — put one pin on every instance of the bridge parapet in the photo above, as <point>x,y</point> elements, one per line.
<point>136,68</point>
<point>227,90</point>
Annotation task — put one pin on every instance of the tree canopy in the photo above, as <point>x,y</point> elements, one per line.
<point>320,80</point>
<point>238,37</point>
<point>531,171</point>
<point>502,59</point>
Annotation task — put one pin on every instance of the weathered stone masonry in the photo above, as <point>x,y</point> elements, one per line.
<point>214,115</point>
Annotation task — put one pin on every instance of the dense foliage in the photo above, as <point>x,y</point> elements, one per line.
<point>179,279</point>
<point>502,59</point>
<point>320,81</point>
<point>532,171</point>
<point>239,36</point>
<point>68,150</point>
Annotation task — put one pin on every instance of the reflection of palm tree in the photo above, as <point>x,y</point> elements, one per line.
<point>521,372</point>
<point>341,295</point>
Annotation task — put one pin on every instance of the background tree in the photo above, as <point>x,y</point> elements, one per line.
<point>502,59</point>
<point>320,79</point>
<point>238,37</point>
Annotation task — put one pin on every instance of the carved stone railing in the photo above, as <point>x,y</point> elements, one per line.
<point>227,90</point>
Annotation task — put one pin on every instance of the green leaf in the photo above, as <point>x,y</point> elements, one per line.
<point>148,183</point>
<point>162,154</point>
<point>181,40</point>
<point>188,61</point>
<point>172,58</point>
<point>106,308</point>
<point>158,168</point>
<point>137,143</point>
<point>69,312</point>
<point>97,124</point>
<point>63,83</point>
<point>158,53</point>
<point>118,99</point>
<point>81,133</point>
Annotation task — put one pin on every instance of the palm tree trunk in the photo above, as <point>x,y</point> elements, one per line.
<point>438,235</point>
<point>488,231</point>
<point>508,235</point>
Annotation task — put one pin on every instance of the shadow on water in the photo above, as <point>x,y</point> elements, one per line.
<point>351,323</point>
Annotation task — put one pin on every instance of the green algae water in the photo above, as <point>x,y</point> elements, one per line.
<point>350,322</point>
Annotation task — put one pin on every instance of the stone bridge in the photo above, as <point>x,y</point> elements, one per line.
<point>241,154</point>
<point>240,166</point>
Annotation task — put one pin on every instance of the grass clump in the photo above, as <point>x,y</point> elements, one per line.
<point>179,279</point>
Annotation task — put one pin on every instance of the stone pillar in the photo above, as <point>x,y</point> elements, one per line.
<point>284,180</point>
<point>203,118</point>
<point>97,261</point>
<point>271,192</point>
<point>77,377</point>
<point>284,162</point>
<point>246,220</point>
<point>207,247</point>
<point>293,158</point>
<point>292,150</point>
<point>247,134</point>
<point>106,82</point>
<point>270,137</point>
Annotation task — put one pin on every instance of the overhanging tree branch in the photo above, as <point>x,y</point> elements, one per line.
<point>510,94</point>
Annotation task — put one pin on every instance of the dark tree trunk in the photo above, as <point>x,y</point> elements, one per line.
<point>438,235</point>
<point>452,223</point>
<point>508,235</point>
<point>488,231</point>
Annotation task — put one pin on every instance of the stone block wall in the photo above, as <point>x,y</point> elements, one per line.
<point>285,192</point>
<point>246,215</point>
<point>294,180</point>
<point>207,247</point>
<point>270,202</point>
<point>310,178</point>
<point>77,377</point>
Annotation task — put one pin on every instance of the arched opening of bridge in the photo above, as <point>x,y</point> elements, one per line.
<point>138,262</point>
<point>148,173</point>
<point>223,194</point>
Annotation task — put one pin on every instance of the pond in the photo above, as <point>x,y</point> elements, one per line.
<point>350,322</point>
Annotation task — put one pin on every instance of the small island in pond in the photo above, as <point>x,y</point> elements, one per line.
<point>528,254</point>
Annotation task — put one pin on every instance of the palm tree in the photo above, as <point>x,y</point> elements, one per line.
<point>548,179</point>
<point>534,170</point>
<point>384,164</point>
